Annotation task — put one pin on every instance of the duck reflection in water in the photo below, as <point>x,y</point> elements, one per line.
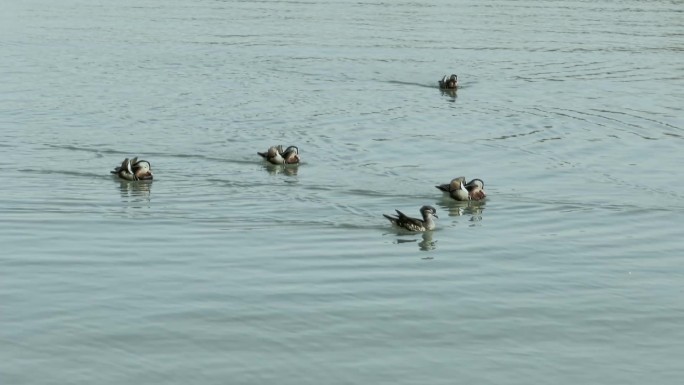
<point>450,93</point>
<point>285,169</point>
<point>473,209</point>
<point>135,191</point>
<point>426,243</point>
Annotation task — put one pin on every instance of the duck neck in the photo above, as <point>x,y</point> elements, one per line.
<point>429,222</point>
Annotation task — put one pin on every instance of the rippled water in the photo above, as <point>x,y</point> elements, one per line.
<point>225,270</point>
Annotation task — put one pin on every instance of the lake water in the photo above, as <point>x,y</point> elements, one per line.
<point>224,270</point>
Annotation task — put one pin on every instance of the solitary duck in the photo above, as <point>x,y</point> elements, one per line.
<point>450,83</point>
<point>134,169</point>
<point>459,190</point>
<point>415,224</point>
<point>276,155</point>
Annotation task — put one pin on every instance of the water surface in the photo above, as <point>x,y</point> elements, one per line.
<point>227,270</point>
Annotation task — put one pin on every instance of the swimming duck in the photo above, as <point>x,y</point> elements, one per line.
<point>415,224</point>
<point>459,190</point>
<point>134,169</point>
<point>450,83</point>
<point>276,155</point>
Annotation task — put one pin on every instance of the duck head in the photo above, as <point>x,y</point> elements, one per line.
<point>291,155</point>
<point>476,189</point>
<point>475,183</point>
<point>428,211</point>
<point>142,170</point>
<point>452,82</point>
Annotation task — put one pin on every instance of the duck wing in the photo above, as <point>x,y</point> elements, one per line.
<point>407,222</point>
<point>446,187</point>
<point>442,83</point>
<point>120,168</point>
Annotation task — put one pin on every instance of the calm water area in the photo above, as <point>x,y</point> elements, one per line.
<point>225,270</point>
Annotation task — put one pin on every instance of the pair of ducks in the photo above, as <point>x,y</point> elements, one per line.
<point>276,155</point>
<point>134,169</point>
<point>457,189</point>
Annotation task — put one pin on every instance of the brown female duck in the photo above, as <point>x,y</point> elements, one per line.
<point>414,224</point>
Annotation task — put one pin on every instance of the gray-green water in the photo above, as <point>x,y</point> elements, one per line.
<point>226,271</point>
